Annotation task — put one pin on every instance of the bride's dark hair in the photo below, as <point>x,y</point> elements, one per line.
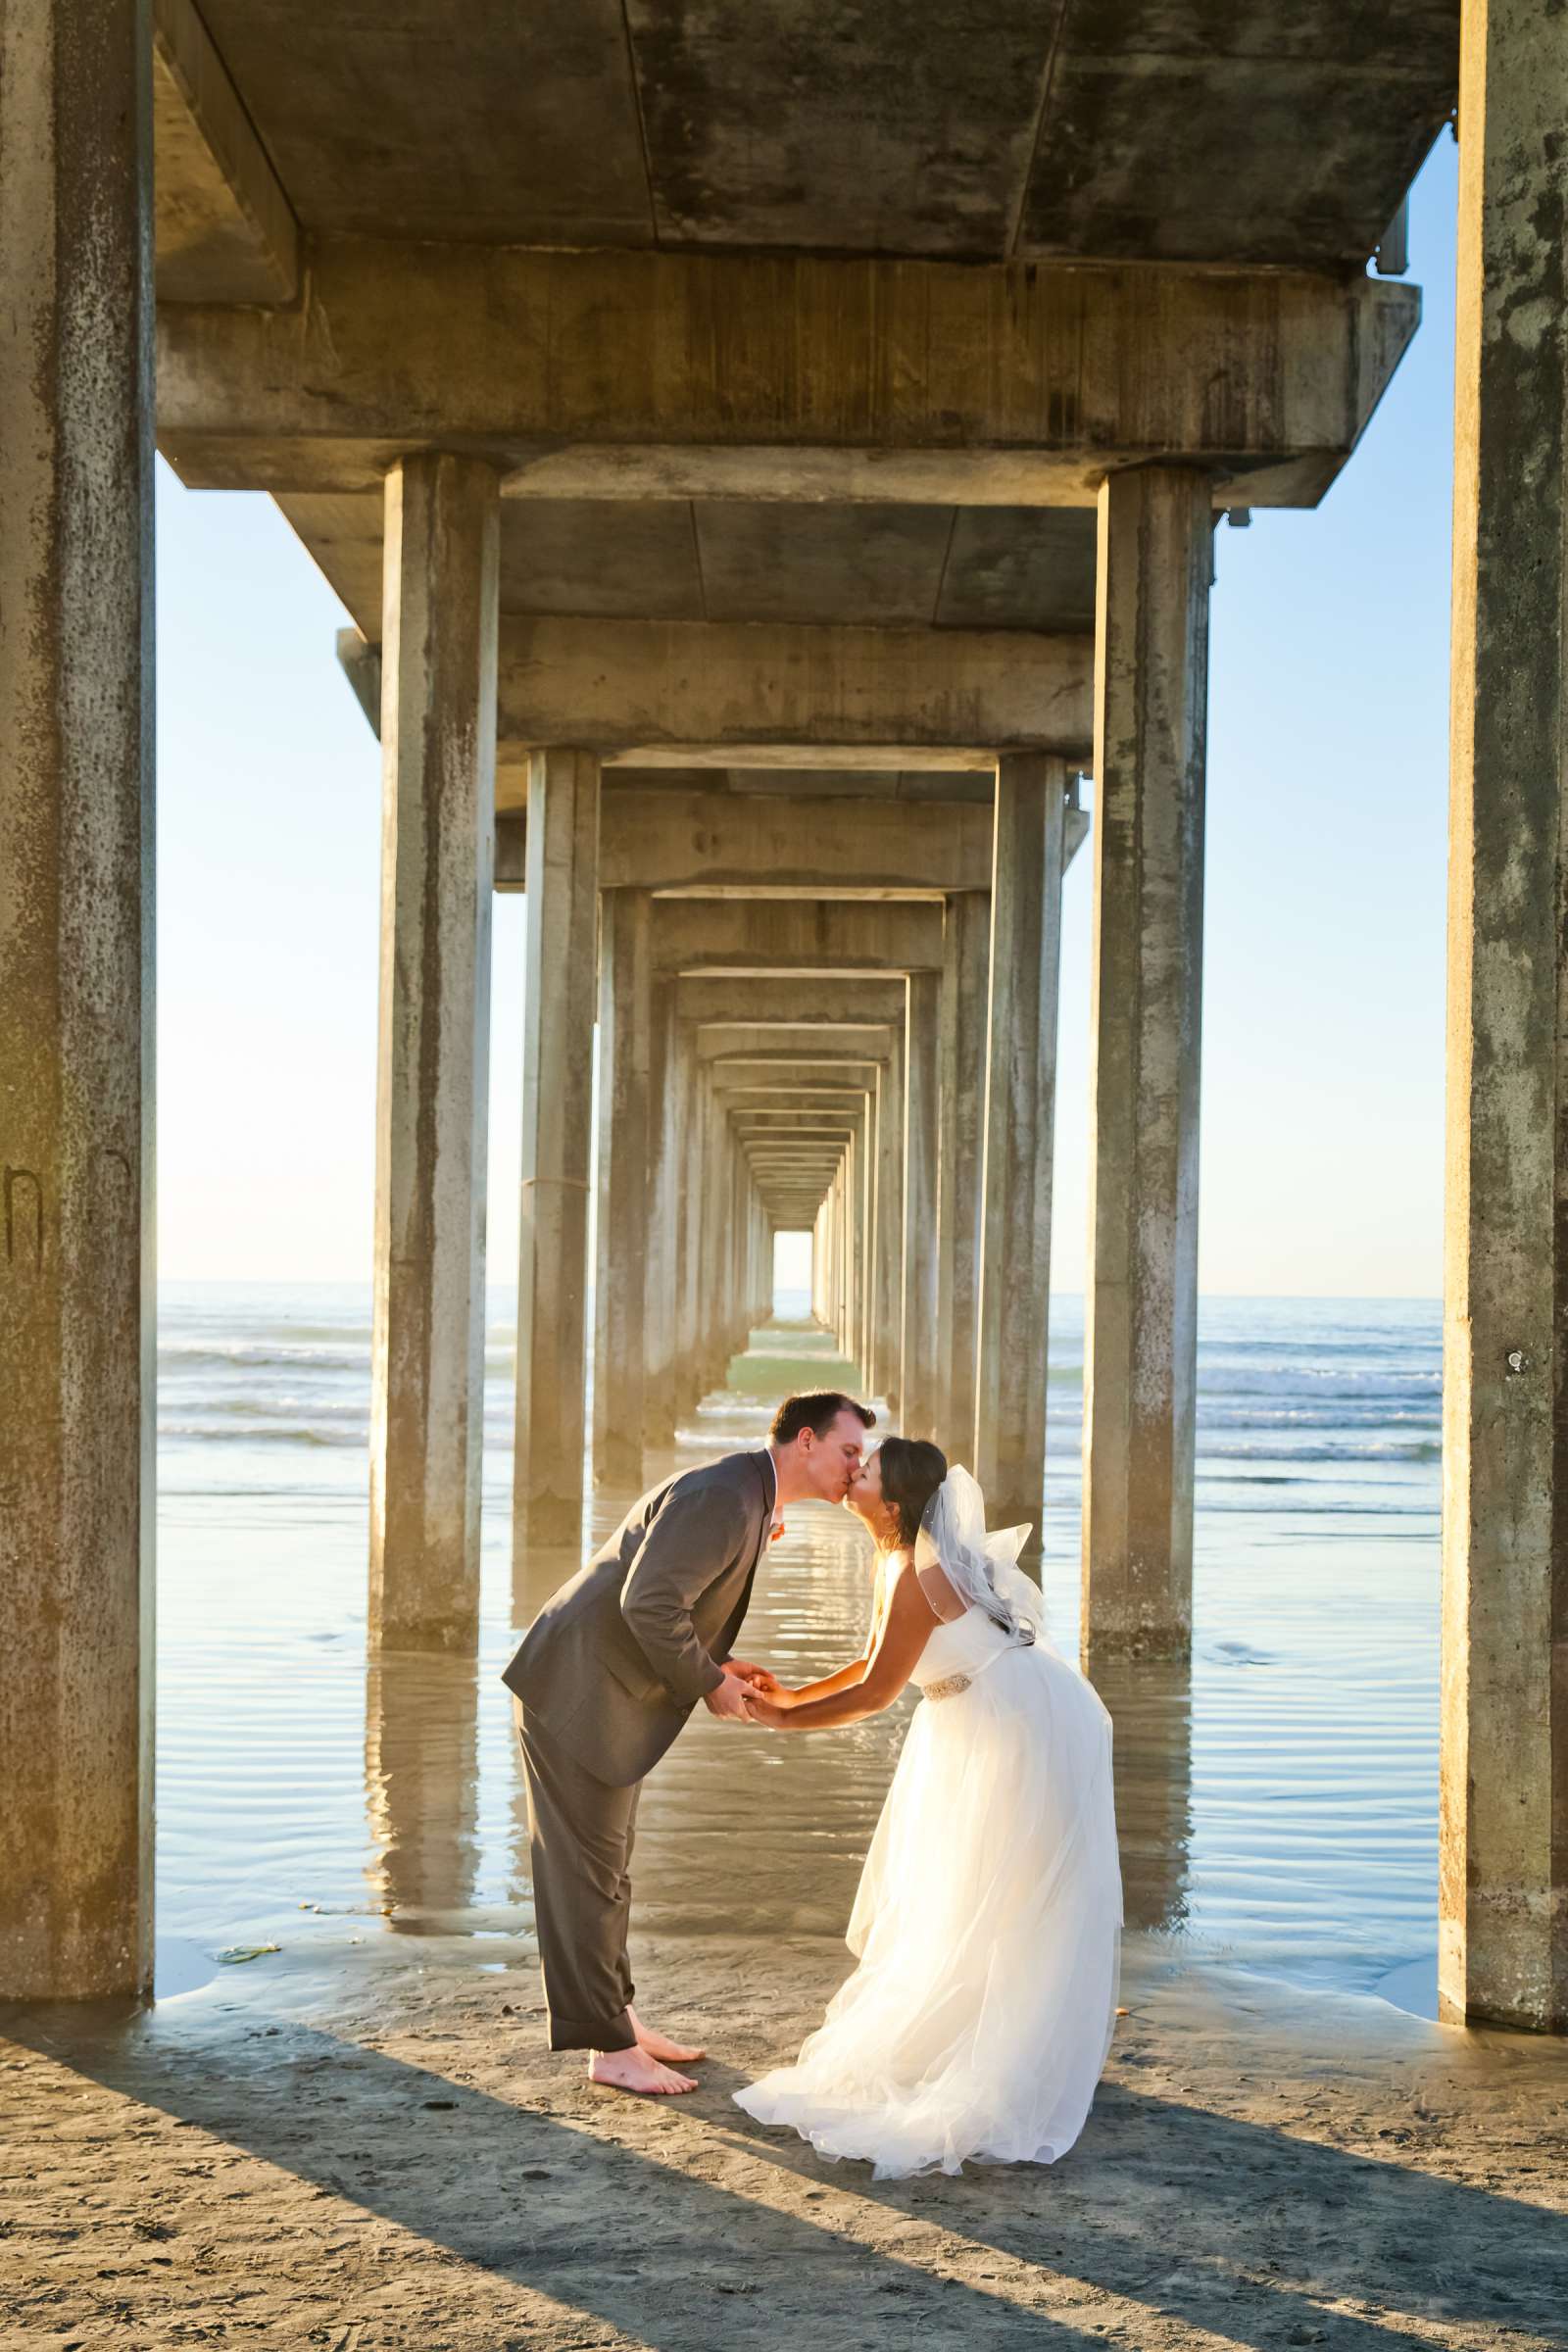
<point>912,1469</point>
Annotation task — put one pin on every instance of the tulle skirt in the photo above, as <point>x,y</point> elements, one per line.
<point>987,1928</point>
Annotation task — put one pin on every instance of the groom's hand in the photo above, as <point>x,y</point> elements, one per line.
<point>728,1698</point>
<point>758,1677</point>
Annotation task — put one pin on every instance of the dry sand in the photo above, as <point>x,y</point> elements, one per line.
<point>386,2158</point>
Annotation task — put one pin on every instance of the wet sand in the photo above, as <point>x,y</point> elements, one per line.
<point>407,2167</point>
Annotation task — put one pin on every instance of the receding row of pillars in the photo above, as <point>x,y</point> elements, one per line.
<point>76,1303</point>
<point>939,1182</point>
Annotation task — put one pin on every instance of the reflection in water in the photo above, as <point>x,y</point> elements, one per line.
<point>421,1788</point>
<point>1151,1708</point>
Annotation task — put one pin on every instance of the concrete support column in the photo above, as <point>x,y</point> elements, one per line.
<point>438,796</point>
<point>835,1262</point>
<point>661,1307</point>
<point>1029,862</point>
<point>921,1114</point>
<point>1503,1873</point>
<point>715,1302</point>
<point>1139,1357</point>
<point>620,1293</point>
<point>890,1228</point>
<point>689,1226</point>
<point>966,951</point>
<point>874,1163</point>
<point>77,1316</point>
<point>852,1252</point>
<point>848,1245</point>
<point>742,1195</point>
<point>558,1056</point>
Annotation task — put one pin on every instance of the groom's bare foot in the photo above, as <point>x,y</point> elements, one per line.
<point>659,2046</point>
<point>636,2070</point>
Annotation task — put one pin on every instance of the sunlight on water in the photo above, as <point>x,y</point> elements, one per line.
<point>1280,1807</point>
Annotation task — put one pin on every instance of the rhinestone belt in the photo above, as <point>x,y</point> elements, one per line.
<point>947,1687</point>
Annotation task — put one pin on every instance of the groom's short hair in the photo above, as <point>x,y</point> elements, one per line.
<point>816,1410</point>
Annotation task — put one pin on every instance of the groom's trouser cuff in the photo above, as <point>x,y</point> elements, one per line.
<point>580,1838</point>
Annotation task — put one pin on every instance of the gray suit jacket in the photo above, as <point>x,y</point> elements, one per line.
<point>615,1661</point>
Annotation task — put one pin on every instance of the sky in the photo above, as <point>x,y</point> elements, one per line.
<point>1323,977</point>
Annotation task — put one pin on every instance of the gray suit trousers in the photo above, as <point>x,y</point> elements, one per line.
<point>581,1837</point>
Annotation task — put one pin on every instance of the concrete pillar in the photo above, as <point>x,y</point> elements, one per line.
<point>438,794</point>
<point>558,1055</point>
<point>890,1228</point>
<point>620,1293</point>
<point>846,1246</point>
<point>1503,1875</point>
<point>689,1229</point>
<point>835,1257</point>
<point>921,1102</point>
<point>1150,704</point>
<point>1030,858</point>
<point>660,1309</point>
<point>714,1302</point>
<point>76,1308</point>
<point>854,1243</point>
<point>873,1165</point>
<point>966,950</point>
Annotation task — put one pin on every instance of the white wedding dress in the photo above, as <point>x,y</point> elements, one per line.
<point>987,1925</point>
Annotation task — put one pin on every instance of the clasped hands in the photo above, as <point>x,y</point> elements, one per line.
<point>748,1693</point>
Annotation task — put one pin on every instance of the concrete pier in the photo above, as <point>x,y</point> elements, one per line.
<point>76,1307</point>
<point>663,1211</point>
<point>1140,1324</point>
<point>1014,1313</point>
<point>967,944</point>
<point>887,1369</point>
<point>625,1114</point>
<point>438,726</point>
<point>1504,1887</point>
<point>922,1148</point>
<point>559,1006</point>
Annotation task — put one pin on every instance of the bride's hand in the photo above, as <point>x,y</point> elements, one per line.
<point>769,1712</point>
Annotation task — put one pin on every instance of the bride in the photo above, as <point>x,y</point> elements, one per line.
<point>986,1925</point>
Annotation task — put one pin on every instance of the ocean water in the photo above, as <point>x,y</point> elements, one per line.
<point>1278,1805</point>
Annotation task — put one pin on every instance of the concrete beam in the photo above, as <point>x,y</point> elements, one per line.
<point>225,231</point>
<point>829,771</point>
<point>706,1002</point>
<point>684,374</point>
<point>719,842</point>
<point>862,710</point>
<point>642,687</point>
<point>763,1126</point>
<point>738,937</point>
<point>798,1097</point>
<point>727,1069</point>
<point>794,1043</point>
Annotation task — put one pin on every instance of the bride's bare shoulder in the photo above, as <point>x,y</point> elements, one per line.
<point>899,1575</point>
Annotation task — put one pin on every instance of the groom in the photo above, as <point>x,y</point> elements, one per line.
<point>605,1676</point>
